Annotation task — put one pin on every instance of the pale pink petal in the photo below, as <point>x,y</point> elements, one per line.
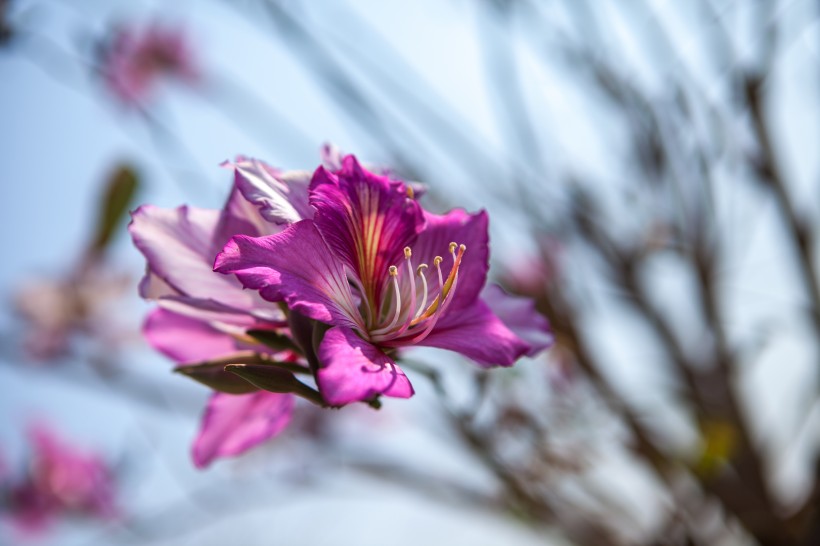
<point>281,197</point>
<point>178,244</point>
<point>234,423</point>
<point>185,339</point>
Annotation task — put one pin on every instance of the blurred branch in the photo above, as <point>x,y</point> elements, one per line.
<point>800,230</point>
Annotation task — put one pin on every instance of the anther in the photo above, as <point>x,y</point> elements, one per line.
<point>453,247</point>
<point>410,192</point>
<point>421,268</point>
<point>394,271</point>
<point>462,247</point>
<point>437,261</point>
<point>407,252</point>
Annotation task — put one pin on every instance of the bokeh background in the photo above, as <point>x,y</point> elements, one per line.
<point>651,173</point>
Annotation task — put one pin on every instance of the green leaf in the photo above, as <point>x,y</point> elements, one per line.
<point>274,340</point>
<point>213,375</point>
<point>114,203</point>
<point>273,379</point>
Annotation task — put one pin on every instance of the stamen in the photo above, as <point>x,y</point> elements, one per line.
<point>420,273</point>
<point>412,311</point>
<point>453,248</point>
<point>437,311</point>
<point>445,287</point>
<point>454,271</point>
<point>394,274</point>
<point>411,193</point>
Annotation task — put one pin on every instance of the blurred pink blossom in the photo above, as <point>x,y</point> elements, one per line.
<point>61,480</point>
<point>137,58</point>
<point>532,274</point>
<point>54,310</point>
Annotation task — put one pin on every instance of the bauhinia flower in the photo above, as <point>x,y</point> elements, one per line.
<point>345,268</point>
<point>381,274</point>
<point>136,58</point>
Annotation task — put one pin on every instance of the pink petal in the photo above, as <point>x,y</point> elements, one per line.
<point>295,266</point>
<point>281,197</point>
<point>234,423</point>
<point>178,244</point>
<point>186,339</point>
<point>520,316</point>
<point>366,219</point>
<point>477,333</point>
<point>352,369</point>
<point>459,227</point>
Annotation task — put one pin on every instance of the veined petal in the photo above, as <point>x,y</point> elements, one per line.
<point>178,244</point>
<point>266,315</point>
<point>459,227</point>
<point>353,369</point>
<point>185,339</point>
<point>520,316</point>
<point>477,333</point>
<point>366,219</point>
<point>282,197</point>
<point>294,266</point>
<point>234,423</point>
<point>239,217</point>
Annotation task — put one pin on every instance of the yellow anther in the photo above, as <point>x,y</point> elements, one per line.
<point>410,193</point>
<point>421,268</point>
<point>462,247</point>
<point>453,247</point>
<point>394,271</point>
<point>407,252</point>
<point>437,260</point>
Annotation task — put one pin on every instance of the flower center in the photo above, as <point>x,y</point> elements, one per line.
<point>406,316</point>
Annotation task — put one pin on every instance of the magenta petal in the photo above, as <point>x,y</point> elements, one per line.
<point>178,244</point>
<point>282,197</point>
<point>366,219</point>
<point>476,332</point>
<point>460,227</point>
<point>234,423</point>
<point>185,339</point>
<point>520,316</point>
<point>352,369</point>
<point>294,266</point>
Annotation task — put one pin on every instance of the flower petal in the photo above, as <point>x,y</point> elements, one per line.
<point>353,369</point>
<point>186,339</point>
<point>234,423</point>
<point>294,266</point>
<point>366,219</point>
<point>178,244</point>
<point>459,227</point>
<point>282,197</point>
<point>239,217</point>
<point>477,333</point>
<point>520,316</point>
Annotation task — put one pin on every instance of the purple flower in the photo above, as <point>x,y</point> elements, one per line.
<point>383,274</point>
<point>357,264</point>
<point>61,480</point>
<point>137,58</point>
<point>203,315</point>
